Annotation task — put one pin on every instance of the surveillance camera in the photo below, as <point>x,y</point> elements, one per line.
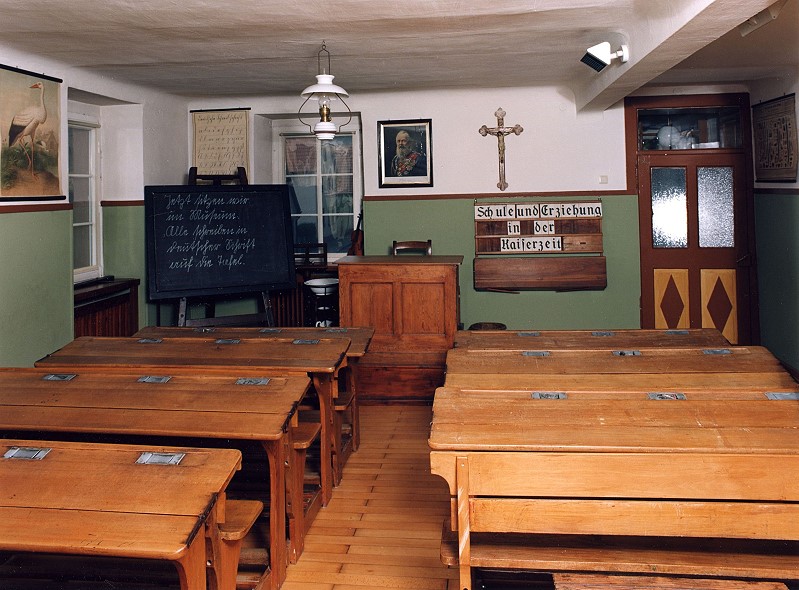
<point>599,56</point>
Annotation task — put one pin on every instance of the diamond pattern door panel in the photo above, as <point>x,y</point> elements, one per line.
<point>672,308</point>
<point>719,307</point>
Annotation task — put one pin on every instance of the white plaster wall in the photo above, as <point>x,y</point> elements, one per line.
<point>123,154</point>
<point>559,150</point>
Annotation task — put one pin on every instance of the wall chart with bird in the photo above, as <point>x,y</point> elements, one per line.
<point>30,135</point>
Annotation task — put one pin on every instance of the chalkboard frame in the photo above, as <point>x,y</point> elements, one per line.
<point>268,266</point>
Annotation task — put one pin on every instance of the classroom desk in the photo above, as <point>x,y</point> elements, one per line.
<point>96,500</point>
<point>733,359</point>
<point>588,339</point>
<point>620,482</point>
<point>318,358</point>
<point>359,343</point>
<point>751,368</point>
<point>212,409</point>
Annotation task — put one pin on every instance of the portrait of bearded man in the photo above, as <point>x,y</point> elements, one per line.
<point>407,160</point>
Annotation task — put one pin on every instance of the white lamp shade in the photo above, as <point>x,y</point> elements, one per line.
<point>324,86</point>
<point>325,130</point>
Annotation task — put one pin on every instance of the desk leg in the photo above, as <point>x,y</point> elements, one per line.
<point>356,419</point>
<point>324,383</point>
<point>276,452</point>
<point>191,565</point>
<point>464,529</point>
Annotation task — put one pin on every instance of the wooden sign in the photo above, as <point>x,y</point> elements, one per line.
<point>538,228</point>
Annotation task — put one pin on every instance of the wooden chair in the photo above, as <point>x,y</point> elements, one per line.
<point>412,245</point>
<point>310,254</point>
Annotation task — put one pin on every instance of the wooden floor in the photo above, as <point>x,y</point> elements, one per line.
<point>382,529</point>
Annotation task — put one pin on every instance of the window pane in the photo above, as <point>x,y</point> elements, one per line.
<point>80,197</point>
<point>79,150</point>
<point>715,207</point>
<point>337,194</point>
<point>305,189</point>
<point>82,248</point>
<point>338,232</point>
<point>300,155</point>
<point>337,155</point>
<point>669,208</point>
<point>305,229</point>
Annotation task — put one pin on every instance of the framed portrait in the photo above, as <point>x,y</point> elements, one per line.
<point>30,110</point>
<point>774,130</point>
<point>405,157</point>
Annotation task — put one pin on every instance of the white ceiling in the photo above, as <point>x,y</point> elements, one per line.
<point>269,47</point>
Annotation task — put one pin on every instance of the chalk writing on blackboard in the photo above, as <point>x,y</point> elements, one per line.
<point>207,240</point>
<point>220,141</point>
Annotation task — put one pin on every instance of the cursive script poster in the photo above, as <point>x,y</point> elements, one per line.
<point>221,141</point>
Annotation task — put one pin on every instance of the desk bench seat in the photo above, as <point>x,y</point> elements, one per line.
<point>638,555</point>
<point>594,582</point>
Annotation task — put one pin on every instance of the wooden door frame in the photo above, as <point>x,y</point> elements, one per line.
<point>745,232</point>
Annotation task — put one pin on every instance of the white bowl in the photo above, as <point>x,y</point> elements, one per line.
<point>322,286</point>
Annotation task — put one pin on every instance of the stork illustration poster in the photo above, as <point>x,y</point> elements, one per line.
<point>30,127</point>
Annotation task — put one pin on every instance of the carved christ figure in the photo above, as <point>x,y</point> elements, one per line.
<point>500,131</point>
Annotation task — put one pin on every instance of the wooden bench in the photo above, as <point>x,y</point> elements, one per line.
<point>703,485</point>
<point>240,516</point>
<point>615,582</point>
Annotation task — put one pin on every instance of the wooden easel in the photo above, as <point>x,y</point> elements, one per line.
<point>266,317</point>
<point>239,177</point>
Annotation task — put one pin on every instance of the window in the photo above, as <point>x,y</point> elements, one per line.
<point>83,194</point>
<point>326,179</point>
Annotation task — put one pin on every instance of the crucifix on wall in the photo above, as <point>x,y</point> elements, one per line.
<point>500,131</point>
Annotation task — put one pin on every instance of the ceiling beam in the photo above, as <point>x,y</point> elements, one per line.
<point>659,44</point>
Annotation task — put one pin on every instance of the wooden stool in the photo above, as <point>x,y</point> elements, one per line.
<point>618,582</point>
<point>240,515</point>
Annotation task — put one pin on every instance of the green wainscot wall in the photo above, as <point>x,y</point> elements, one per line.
<point>450,224</point>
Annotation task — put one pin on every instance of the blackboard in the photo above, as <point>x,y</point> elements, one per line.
<point>217,240</point>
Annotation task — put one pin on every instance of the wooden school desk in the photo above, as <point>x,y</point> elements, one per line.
<point>96,500</point>
<point>702,485</point>
<point>588,339</point>
<point>317,358</point>
<point>344,401</point>
<point>212,409</point>
<point>698,369</point>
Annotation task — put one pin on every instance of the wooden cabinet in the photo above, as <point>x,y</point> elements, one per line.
<point>412,304</point>
<point>107,308</point>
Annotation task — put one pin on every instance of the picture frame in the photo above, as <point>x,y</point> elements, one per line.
<point>415,167</point>
<point>30,109</point>
<point>775,140</point>
<point>221,140</point>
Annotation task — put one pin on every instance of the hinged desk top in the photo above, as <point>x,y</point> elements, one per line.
<point>213,355</point>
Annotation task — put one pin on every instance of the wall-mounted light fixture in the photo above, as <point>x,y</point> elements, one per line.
<point>761,18</point>
<point>325,92</point>
<point>599,56</point>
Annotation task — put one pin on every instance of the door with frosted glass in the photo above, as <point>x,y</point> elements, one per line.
<point>695,258</point>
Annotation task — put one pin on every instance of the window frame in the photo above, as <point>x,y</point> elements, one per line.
<point>91,124</point>
<point>291,128</point>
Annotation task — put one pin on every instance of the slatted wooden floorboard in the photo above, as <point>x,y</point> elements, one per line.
<point>382,529</point>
